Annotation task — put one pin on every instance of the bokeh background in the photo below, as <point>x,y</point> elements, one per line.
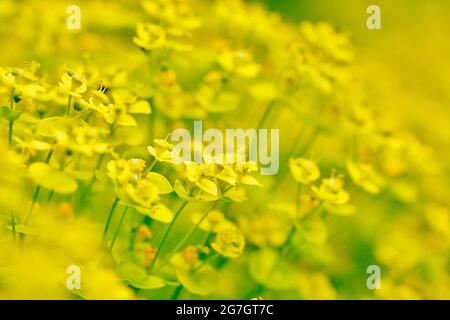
<point>400,73</point>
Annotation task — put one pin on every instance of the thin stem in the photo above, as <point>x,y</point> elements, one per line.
<point>11,101</point>
<point>37,190</point>
<point>10,132</point>
<point>122,218</point>
<point>206,261</point>
<point>166,234</point>
<point>49,156</point>
<point>108,219</point>
<point>13,226</point>
<point>176,293</point>
<point>297,199</point>
<point>151,166</point>
<point>50,196</point>
<point>69,106</point>
<point>151,120</point>
<point>186,237</point>
<point>11,123</point>
<point>266,114</point>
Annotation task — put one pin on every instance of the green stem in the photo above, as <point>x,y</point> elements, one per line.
<point>37,190</point>
<point>11,123</point>
<point>50,196</point>
<point>151,166</point>
<point>69,106</point>
<point>206,261</point>
<point>49,156</point>
<point>176,293</point>
<point>151,120</point>
<point>108,219</point>
<point>186,237</point>
<point>10,132</point>
<point>13,226</point>
<point>266,114</point>
<point>297,199</point>
<point>122,218</point>
<point>166,234</point>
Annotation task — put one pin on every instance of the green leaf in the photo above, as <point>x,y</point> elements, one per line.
<point>80,175</point>
<point>130,271</point>
<point>40,145</point>
<point>201,281</point>
<point>161,182</point>
<point>50,178</point>
<point>207,186</point>
<point>148,282</point>
<point>49,126</point>
<point>158,212</point>
<point>201,195</point>
<point>181,191</point>
<point>236,194</point>
<point>125,120</point>
<point>141,107</point>
<point>8,114</point>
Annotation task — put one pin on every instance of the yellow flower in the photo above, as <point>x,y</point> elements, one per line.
<point>243,171</point>
<point>173,12</point>
<point>73,84</point>
<point>239,62</point>
<point>229,241</point>
<point>8,77</point>
<point>332,190</point>
<point>151,36</point>
<point>96,99</point>
<point>198,174</point>
<point>119,170</point>
<point>364,176</point>
<point>162,150</point>
<point>211,222</point>
<point>304,171</point>
<point>142,193</point>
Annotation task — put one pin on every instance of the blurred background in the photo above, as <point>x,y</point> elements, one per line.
<point>403,74</point>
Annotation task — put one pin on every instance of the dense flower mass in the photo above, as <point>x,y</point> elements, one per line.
<point>89,180</point>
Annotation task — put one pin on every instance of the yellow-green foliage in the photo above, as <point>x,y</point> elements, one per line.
<point>87,175</point>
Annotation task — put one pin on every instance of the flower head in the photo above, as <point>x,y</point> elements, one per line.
<point>229,240</point>
<point>331,190</point>
<point>304,171</point>
<point>73,84</point>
